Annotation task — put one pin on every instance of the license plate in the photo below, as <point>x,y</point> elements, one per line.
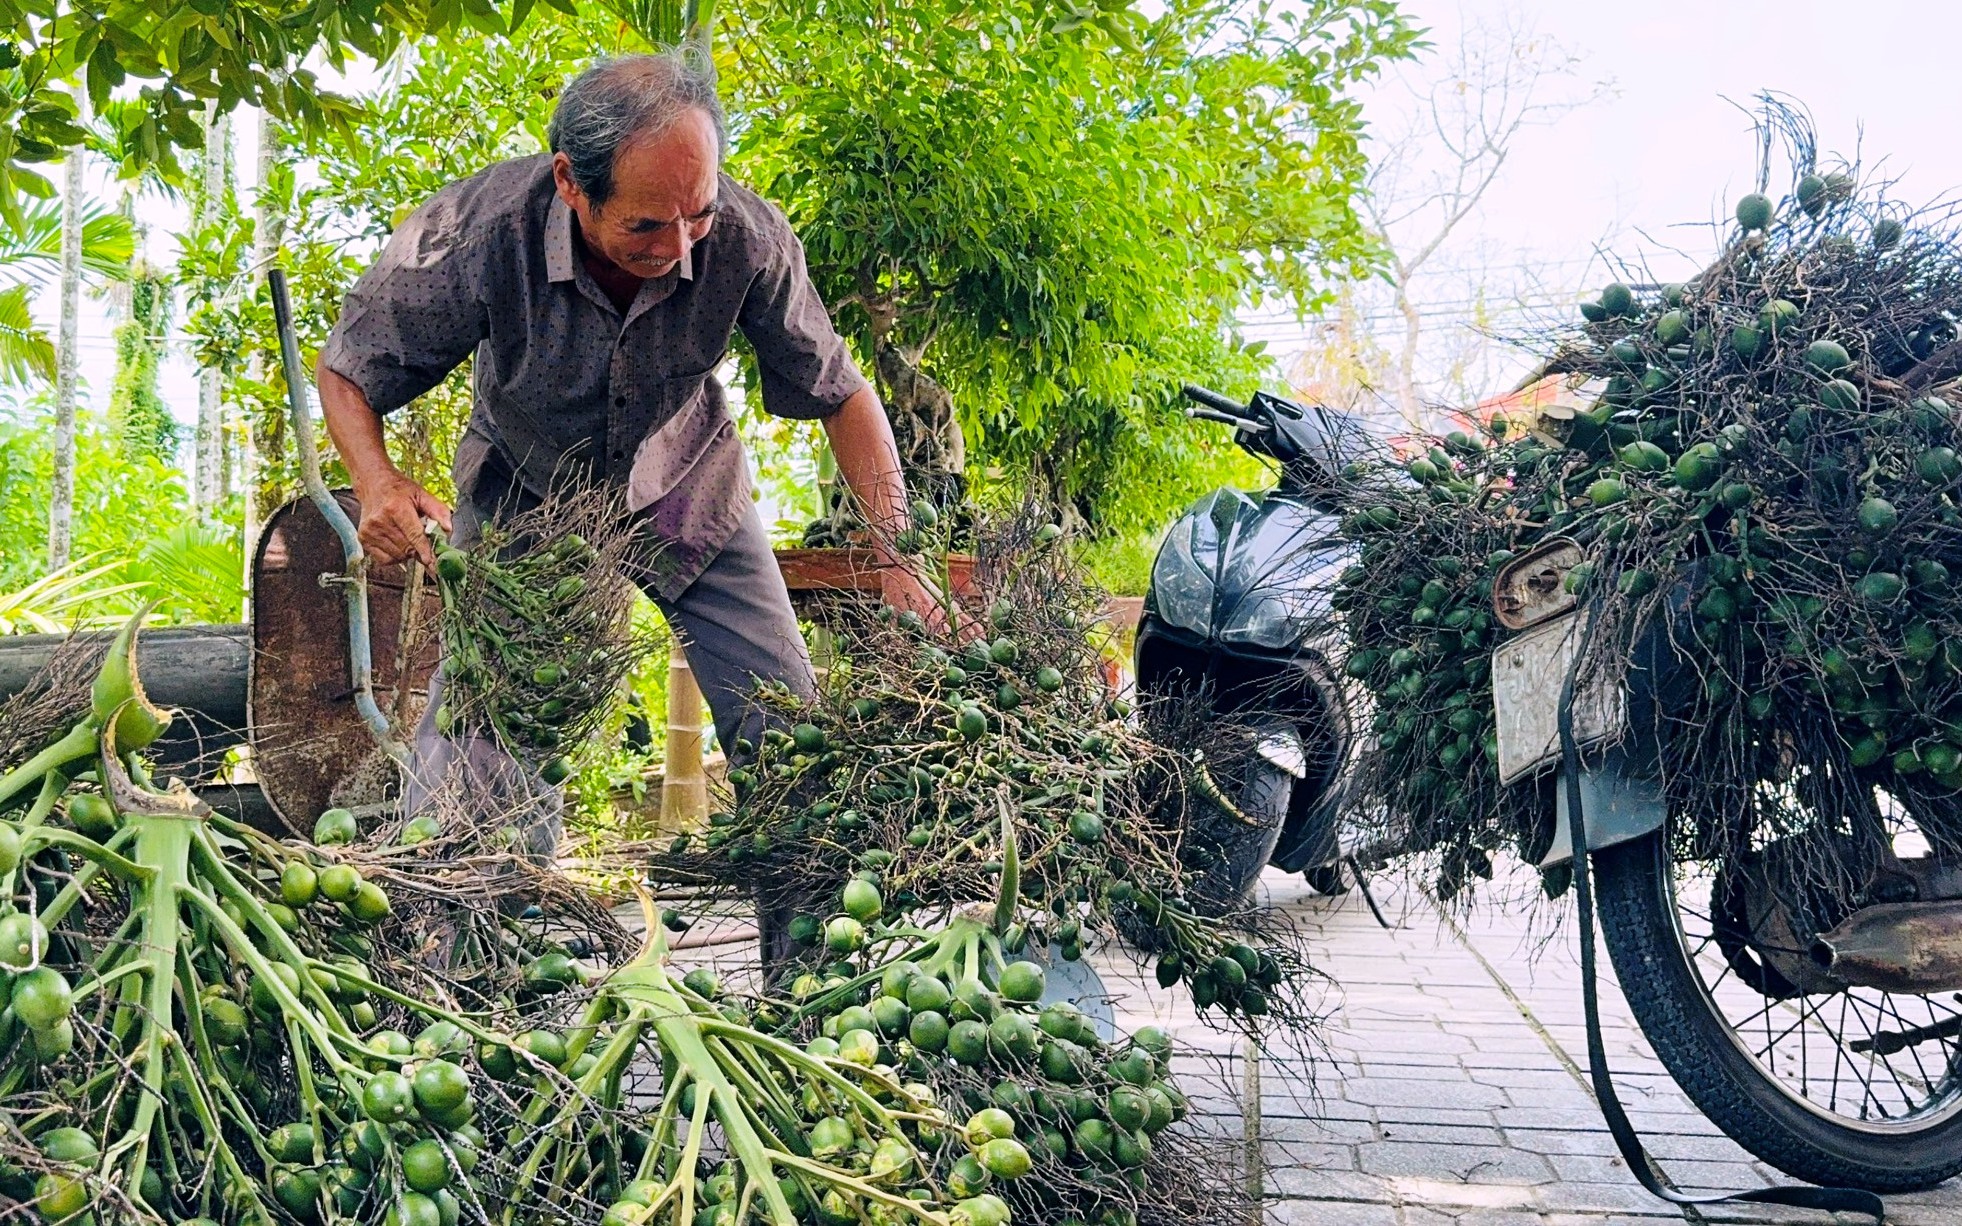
<point>1528,672</point>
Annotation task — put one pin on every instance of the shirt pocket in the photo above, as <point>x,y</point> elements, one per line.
<point>695,424</point>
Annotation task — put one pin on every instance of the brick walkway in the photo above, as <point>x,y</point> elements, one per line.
<point>1454,1087</point>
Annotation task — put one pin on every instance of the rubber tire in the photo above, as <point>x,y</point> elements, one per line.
<point>1242,850</point>
<point>1329,880</point>
<point>1633,886</point>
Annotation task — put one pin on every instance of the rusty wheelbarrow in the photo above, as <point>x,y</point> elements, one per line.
<point>334,659</point>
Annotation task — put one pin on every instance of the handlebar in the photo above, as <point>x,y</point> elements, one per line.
<point>1247,424</point>
<point>1307,443</point>
<point>1213,400</point>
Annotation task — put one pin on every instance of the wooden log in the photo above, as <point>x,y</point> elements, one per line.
<point>199,671</point>
<point>197,668</point>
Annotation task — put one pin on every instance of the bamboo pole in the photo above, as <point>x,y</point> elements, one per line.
<point>1256,1156</point>
<point>684,786</point>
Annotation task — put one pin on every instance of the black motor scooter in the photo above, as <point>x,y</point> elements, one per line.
<point>1237,619</point>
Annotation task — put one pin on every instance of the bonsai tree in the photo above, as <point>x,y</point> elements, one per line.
<point>1037,220</point>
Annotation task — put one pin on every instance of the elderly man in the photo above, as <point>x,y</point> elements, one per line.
<point>596,288</point>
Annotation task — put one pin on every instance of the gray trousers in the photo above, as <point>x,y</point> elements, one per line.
<point>734,622</point>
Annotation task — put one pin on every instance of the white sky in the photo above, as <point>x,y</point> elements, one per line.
<point>1667,147</point>
<point>1670,144</point>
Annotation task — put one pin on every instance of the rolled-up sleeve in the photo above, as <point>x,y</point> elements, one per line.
<point>415,315</point>
<point>807,370</point>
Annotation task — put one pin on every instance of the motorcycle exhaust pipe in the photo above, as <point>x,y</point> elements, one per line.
<point>1909,947</point>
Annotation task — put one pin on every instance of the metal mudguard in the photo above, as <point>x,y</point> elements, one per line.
<point>1621,800</point>
<point>1622,796</point>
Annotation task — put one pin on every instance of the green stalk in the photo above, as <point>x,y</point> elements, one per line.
<point>770,1106</point>
<point>682,1035</point>
<point>130,1012</point>
<point>1011,869</point>
<point>581,1036</point>
<point>643,985</point>
<point>163,846</point>
<point>78,743</point>
<point>52,785</point>
<point>208,1117</point>
<point>798,1058</point>
<point>851,1183</point>
<point>462,1021</point>
<point>823,1001</point>
<point>211,862</point>
<point>664,1121</point>
<point>691,1156</point>
<point>104,980</point>
<point>289,1004</point>
<point>619,1050</point>
<point>87,848</point>
<point>309,1096</point>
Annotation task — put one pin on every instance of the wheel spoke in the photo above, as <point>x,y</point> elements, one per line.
<point>1861,1059</point>
<point>1800,1020</point>
<point>1874,1054</point>
<point>1913,1049</point>
<point>1839,1057</point>
<point>1866,1079</point>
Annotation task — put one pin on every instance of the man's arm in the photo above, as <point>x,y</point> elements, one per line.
<point>861,441</point>
<point>392,506</point>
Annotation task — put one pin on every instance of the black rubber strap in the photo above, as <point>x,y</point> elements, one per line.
<point>1826,1200</point>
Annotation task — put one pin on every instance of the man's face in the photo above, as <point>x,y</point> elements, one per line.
<point>663,202</point>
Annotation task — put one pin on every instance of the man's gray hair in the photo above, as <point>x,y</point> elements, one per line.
<point>619,100</point>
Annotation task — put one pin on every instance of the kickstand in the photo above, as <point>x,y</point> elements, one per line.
<point>1362,884</point>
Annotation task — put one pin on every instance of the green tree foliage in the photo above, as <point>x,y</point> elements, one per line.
<point>1044,217</point>
<point>1038,220</point>
<point>132,517</point>
<point>177,55</point>
<point>30,254</point>
<point>137,412</point>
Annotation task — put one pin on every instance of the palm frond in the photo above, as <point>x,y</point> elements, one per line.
<point>53,603</point>
<point>195,570</point>
<point>32,252</point>
<point>660,22</point>
<point>26,353</point>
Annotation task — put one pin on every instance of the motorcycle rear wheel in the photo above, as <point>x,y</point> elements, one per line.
<point>1886,1123</point>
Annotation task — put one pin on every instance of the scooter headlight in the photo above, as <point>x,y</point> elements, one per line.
<point>1182,588</point>
<point>1275,619</point>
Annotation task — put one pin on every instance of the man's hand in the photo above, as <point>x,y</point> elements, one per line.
<point>902,589</point>
<point>392,510</point>
<point>392,506</point>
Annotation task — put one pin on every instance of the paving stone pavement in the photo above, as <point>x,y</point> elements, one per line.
<point>1453,1087</point>
<point>1451,1084</point>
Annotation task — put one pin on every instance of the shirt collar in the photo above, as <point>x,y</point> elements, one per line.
<point>559,259</point>
<point>558,240</point>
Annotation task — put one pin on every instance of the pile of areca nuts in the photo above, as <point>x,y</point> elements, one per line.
<point>1762,478</point>
<point>206,1023</point>
<point>933,759</point>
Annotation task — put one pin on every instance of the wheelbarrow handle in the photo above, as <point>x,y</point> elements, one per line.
<point>361,668</point>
